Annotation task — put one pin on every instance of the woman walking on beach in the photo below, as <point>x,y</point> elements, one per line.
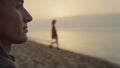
<point>54,35</point>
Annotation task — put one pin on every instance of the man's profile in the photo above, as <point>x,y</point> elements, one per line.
<point>54,35</point>
<point>13,28</point>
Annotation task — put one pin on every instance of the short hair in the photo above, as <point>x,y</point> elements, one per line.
<point>53,22</point>
<point>1,2</point>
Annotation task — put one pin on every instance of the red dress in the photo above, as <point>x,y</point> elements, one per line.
<point>54,34</point>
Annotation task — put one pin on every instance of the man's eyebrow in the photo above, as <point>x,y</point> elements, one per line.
<point>20,1</point>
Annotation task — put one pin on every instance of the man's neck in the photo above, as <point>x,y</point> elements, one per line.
<point>5,46</point>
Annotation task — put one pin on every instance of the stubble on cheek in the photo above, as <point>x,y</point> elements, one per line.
<point>15,28</point>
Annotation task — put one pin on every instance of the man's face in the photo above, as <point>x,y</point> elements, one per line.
<point>13,21</point>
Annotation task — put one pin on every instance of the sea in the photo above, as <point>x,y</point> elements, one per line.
<point>94,35</point>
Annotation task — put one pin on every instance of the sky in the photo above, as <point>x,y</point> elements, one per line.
<point>63,8</point>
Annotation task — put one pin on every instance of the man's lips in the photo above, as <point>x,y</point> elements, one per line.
<point>25,29</point>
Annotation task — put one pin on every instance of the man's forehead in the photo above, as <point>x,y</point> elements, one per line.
<point>20,0</point>
<point>12,0</point>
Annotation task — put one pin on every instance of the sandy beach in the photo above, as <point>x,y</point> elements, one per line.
<point>36,55</point>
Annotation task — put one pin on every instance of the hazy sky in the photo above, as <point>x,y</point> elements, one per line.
<point>60,8</point>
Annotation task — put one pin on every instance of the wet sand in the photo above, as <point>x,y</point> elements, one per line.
<point>36,55</point>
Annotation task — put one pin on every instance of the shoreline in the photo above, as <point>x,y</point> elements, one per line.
<point>36,55</point>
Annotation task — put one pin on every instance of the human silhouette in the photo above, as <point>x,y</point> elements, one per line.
<point>13,29</point>
<point>54,35</point>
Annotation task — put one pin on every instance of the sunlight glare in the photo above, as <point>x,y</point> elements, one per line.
<point>61,11</point>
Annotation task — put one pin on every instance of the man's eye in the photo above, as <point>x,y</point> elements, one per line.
<point>19,5</point>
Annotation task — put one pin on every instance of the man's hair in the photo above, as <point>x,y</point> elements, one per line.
<point>1,3</point>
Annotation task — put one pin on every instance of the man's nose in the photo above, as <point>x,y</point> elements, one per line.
<point>26,16</point>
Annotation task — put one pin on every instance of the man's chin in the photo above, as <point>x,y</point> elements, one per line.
<point>20,41</point>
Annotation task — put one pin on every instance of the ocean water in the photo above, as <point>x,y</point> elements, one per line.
<point>102,44</point>
<point>85,36</point>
